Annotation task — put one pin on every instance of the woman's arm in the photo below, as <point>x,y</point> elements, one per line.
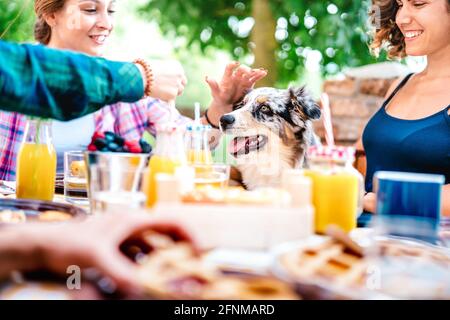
<point>446,200</point>
<point>43,82</point>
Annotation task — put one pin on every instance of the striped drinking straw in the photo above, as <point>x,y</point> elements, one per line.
<point>328,125</point>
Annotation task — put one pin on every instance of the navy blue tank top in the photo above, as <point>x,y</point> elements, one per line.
<point>394,144</point>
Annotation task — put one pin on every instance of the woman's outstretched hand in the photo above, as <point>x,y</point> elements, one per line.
<point>236,81</point>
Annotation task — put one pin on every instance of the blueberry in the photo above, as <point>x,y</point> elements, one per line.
<point>112,146</point>
<point>100,143</point>
<point>119,140</point>
<point>110,136</point>
<point>146,148</point>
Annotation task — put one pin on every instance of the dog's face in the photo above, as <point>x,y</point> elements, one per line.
<point>268,115</point>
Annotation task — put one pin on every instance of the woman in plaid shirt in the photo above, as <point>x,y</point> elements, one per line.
<point>94,24</point>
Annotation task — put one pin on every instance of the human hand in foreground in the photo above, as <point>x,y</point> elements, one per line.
<point>93,243</point>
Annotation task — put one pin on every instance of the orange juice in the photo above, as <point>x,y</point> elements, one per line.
<point>336,185</point>
<point>197,144</point>
<point>199,156</point>
<point>158,164</point>
<point>212,179</point>
<point>335,198</point>
<point>169,154</point>
<point>36,171</point>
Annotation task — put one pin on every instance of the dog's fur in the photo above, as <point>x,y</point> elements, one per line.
<point>272,131</point>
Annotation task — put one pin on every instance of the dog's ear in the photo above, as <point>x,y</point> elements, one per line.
<point>287,133</point>
<point>302,102</point>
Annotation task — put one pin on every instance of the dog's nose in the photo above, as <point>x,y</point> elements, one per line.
<point>226,121</point>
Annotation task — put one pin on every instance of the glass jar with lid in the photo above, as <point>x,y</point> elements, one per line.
<point>338,188</point>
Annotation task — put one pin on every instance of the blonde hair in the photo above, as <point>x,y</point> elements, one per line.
<point>43,8</point>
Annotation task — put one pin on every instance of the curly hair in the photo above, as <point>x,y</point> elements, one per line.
<point>42,31</point>
<point>387,34</point>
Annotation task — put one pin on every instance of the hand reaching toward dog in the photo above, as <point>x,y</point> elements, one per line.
<point>236,81</point>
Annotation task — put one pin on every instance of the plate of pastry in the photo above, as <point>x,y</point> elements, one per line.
<point>327,267</point>
<point>175,270</point>
<point>22,211</point>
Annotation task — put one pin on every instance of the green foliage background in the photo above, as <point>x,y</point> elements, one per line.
<point>341,37</point>
<point>16,20</point>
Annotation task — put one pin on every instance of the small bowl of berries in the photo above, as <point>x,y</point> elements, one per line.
<point>116,169</point>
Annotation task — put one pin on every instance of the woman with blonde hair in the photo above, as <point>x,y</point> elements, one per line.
<point>411,131</point>
<point>85,26</point>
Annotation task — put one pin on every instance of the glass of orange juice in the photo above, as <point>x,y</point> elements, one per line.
<point>36,162</point>
<point>212,175</point>
<point>197,144</point>
<point>169,155</point>
<point>337,187</point>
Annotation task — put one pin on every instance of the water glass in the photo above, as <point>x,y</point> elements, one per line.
<point>75,178</point>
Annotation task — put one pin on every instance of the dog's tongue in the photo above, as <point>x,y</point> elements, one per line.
<point>237,144</point>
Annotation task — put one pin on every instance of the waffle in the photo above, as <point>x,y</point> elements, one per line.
<point>335,267</point>
<point>329,262</point>
<point>176,272</point>
<point>54,216</point>
<point>237,196</point>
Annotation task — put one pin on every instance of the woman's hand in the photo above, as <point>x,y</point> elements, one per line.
<point>370,202</point>
<point>169,79</point>
<point>236,81</point>
<point>94,243</point>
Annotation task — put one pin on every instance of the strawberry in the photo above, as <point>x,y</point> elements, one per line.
<point>92,147</point>
<point>98,135</point>
<point>133,146</point>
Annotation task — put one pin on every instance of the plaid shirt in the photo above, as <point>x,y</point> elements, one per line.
<point>130,120</point>
<point>48,83</point>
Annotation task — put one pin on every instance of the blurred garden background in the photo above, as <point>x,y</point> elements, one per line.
<point>298,41</point>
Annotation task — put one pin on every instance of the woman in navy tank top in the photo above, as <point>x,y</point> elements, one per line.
<point>411,131</point>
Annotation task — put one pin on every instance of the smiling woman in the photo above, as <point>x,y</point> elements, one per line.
<point>388,31</point>
<point>411,131</point>
<point>79,25</point>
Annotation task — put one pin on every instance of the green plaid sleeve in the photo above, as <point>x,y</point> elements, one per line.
<point>38,81</point>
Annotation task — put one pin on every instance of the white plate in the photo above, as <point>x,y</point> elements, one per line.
<point>241,261</point>
<point>387,273</point>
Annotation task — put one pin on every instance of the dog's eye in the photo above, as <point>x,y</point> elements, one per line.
<point>265,109</point>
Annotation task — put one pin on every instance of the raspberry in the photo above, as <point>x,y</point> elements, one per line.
<point>133,146</point>
<point>98,135</point>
